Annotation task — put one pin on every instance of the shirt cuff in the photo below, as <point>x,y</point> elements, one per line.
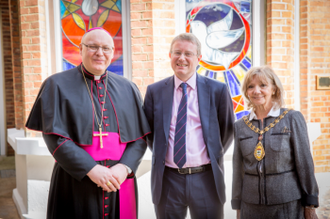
<point>129,170</point>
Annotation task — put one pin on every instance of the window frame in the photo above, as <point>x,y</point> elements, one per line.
<point>54,38</point>
<point>258,28</point>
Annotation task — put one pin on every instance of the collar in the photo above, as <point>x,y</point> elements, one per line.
<point>90,75</point>
<point>191,81</point>
<point>274,112</point>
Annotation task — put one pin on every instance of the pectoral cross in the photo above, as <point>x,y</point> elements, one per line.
<point>101,134</point>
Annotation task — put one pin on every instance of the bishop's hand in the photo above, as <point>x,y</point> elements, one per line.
<point>104,177</point>
<point>119,172</point>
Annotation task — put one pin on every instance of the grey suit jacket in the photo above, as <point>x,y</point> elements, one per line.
<point>217,120</point>
<point>287,168</point>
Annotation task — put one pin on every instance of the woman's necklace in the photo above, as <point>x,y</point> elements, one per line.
<point>259,151</point>
<point>100,134</point>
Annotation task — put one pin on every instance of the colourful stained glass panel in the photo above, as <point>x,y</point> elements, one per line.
<point>78,16</point>
<point>224,30</point>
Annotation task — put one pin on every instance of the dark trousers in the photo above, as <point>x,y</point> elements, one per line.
<point>196,192</point>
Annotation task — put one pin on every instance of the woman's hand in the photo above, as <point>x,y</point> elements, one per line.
<point>310,213</point>
<point>238,214</point>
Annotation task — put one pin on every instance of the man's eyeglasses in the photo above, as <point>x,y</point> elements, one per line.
<point>186,54</point>
<point>94,48</point>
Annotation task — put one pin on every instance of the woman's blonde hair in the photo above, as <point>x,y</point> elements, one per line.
<point>267,75</point>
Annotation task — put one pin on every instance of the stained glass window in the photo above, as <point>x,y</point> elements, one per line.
<point>224,29</point>
<point>78,16</point>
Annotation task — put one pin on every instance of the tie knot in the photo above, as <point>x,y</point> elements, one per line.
<point>184,87</point>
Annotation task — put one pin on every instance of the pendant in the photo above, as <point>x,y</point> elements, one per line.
<point>259,151</point>
<point>100,135</point>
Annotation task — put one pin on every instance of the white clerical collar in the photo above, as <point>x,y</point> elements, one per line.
<point>274,112</point>
<point>97,77</point>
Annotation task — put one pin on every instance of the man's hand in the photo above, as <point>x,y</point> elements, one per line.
<point>119,172</point>
<point>310,213</point>
<point>238,216</point>
<point>101,176</point>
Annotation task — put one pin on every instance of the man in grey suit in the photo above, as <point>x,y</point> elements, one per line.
<point>191,119</point>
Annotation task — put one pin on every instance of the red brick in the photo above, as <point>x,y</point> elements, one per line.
<point>148,48</point>
<point>36,55</point>
<point>137,65</point>
<point>148,81</point>
<point>35,25</point>
<point>37,70</point>
<point>141,57</point>
<point>138,7</point>
<point>167,14</point>
<point>137,81</point>
<point>147,32</point>
<point>136,15</point>
<point>274,14</point>
<point>139,73</point>
<point>276,22</point>
<point>139,23</point>
<point>136,32</point>
<point>29,18</point>
<point>146,15</point>
<point>30,2</point>
<point>34,9</point>
<point>32,33</point>
<point>139,41</point>
<point>276,6</point>
<point>136,49</point>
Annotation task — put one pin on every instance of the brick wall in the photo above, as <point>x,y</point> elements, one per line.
<point>16,63</point>
<point>280,43</point>
<point>7,68</point>
<point>34,51</point>
<point>164,32</point>
<point>152,29</point>
<point>304,57</point>
<point>315,60</point>
<point>142,44</point>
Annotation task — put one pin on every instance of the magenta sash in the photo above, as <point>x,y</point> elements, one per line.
<point>127,200</point>
<point>112,149</point>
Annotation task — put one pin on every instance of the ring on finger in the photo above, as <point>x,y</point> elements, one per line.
<point>109,183</point>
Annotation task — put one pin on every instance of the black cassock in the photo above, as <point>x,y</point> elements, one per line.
<point>63,111</point>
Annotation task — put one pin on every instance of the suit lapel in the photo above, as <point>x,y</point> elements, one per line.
<point>167,105</point>
<point>203,104</point>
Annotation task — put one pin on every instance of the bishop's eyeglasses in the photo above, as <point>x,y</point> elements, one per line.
<point>94,48</point>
